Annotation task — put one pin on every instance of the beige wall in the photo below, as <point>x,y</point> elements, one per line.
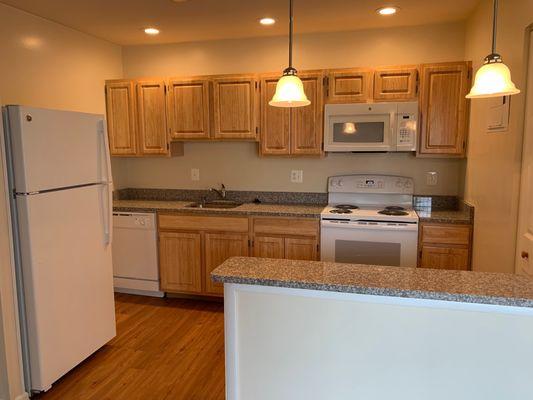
<point>224,162</point>
<point>42,64</point>
<point>492,179</point>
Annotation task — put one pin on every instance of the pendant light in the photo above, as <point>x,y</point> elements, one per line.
<point>493,79</point>
<point>290,89</point>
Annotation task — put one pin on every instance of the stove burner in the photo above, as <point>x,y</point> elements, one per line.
<point>395,208</point>
<point>340,211</point>
<point>396,213</point>
<point>346,207</point>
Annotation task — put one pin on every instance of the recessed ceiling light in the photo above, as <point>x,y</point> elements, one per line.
<point>151,31</point>
<point>389,10</point>
<point>267,21</point>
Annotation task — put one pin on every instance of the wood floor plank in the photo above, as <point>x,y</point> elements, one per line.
<point>165,349</point>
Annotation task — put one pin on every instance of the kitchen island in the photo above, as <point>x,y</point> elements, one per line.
<point>314,330</point>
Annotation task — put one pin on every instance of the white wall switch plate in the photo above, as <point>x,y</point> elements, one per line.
<point>297,176</point>
<point>195,174</point>
<point>432,178</point>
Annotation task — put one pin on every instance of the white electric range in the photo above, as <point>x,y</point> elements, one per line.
<point>369,220</point>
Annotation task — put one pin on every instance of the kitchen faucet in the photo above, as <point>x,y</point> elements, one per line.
<point>221,192</point>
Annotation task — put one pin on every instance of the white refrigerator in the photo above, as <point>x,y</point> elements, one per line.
<point>60,177</point>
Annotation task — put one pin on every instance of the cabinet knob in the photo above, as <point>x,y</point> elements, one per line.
<point>525,255</point>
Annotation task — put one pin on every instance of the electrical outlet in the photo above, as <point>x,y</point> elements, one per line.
<point>297,176</point>
<point>195,174</point>
<point>432,178</point>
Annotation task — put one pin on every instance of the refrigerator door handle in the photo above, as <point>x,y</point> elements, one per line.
<point>105,152</point>
<point>107,211</point>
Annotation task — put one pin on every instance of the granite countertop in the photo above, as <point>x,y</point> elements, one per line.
<point>291,210</point>
<point>457,286</point>
<point>445,216</point>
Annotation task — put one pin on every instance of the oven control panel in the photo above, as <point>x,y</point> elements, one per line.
<point>378,184</point>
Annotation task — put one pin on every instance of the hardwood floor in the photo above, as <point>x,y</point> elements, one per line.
<point>165,349</point>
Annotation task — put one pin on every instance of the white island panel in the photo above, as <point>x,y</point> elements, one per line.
<point>289,344</point>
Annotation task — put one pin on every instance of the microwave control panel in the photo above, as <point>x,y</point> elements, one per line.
<point>406,132</point>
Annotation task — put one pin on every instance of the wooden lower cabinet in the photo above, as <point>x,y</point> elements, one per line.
<point>301,249</point>
<point>192,246</point>
<point>269,247</point>
<point>180,261</point>
<point>218,248</point>
<point>444,257</point>
<point>445,246</point>
<point>290,238</point>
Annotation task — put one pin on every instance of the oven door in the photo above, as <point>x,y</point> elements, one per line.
<point>373,243</point>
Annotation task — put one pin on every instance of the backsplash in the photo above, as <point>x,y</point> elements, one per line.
<point>419,202</point>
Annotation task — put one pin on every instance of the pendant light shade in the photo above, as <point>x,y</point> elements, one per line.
<point>493,79</point>
<point>289,89</point>
<point>289,92</point>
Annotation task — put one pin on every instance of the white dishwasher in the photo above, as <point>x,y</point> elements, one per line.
<point>135,266</point>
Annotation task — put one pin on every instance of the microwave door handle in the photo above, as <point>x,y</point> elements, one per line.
<point>393,139</point>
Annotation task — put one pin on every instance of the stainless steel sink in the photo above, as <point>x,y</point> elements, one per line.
<point>215,204</point>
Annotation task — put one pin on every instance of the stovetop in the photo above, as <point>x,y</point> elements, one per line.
<point>369,212</point>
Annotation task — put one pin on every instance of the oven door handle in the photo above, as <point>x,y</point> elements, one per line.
<point>376,227</point>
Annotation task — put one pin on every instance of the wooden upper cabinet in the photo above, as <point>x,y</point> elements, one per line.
<point>306,122</point>
<point>349,85</point>
<point>121,124</point>
<point>188,108</point>
<point>395,83</point>
<point>444,108</point>
<point>218,248</point>
<point>180,261</point>
<point>235,102</point>
<point>151,117</point>
<point>275,121</point>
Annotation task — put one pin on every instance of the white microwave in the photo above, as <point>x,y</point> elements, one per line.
<point>371,127</point>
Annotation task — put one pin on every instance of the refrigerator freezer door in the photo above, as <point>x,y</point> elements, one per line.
<point>68,278</point>
<point>56,149</point>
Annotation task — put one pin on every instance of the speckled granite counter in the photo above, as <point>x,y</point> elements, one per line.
<point>456,286</point>
<point>445,216</point>
<point>289,210</point>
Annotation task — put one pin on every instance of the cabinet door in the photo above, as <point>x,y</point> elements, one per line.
<point>121,126</point>
<point>180,262</point>
<point>275,121</point>
<point>444,257</point>
<point>349,85</point>
<point>301,249</point>
<point>269,247</point>
<point>218,248</point>
<point>444,108</point>
<point>188,108</point>
<point>395,83</point>
<point>306,122</point>
<point>235,107</point>
<point>151,118</point>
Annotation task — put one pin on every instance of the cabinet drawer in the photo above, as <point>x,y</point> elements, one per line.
<point>203,223</point>
<point>286,226</point>
<point>446,234</point>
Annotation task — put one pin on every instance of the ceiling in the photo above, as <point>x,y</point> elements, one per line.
<point>122,22</point>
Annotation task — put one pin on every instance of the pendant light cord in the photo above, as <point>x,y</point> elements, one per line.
<point>494,25</point>
<point>290,31</point>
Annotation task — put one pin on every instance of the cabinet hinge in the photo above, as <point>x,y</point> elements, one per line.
<point>256,129</point>
<point>250,243</point>
<point>165,88</point>
<point>318,247</point>
<point>256,85</point>
<point>464,144</point>
<point>326,85</point>
<point>168,146</point>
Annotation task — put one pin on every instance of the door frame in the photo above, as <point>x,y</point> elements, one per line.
<point>528,64</point>
<point>10,340</point>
